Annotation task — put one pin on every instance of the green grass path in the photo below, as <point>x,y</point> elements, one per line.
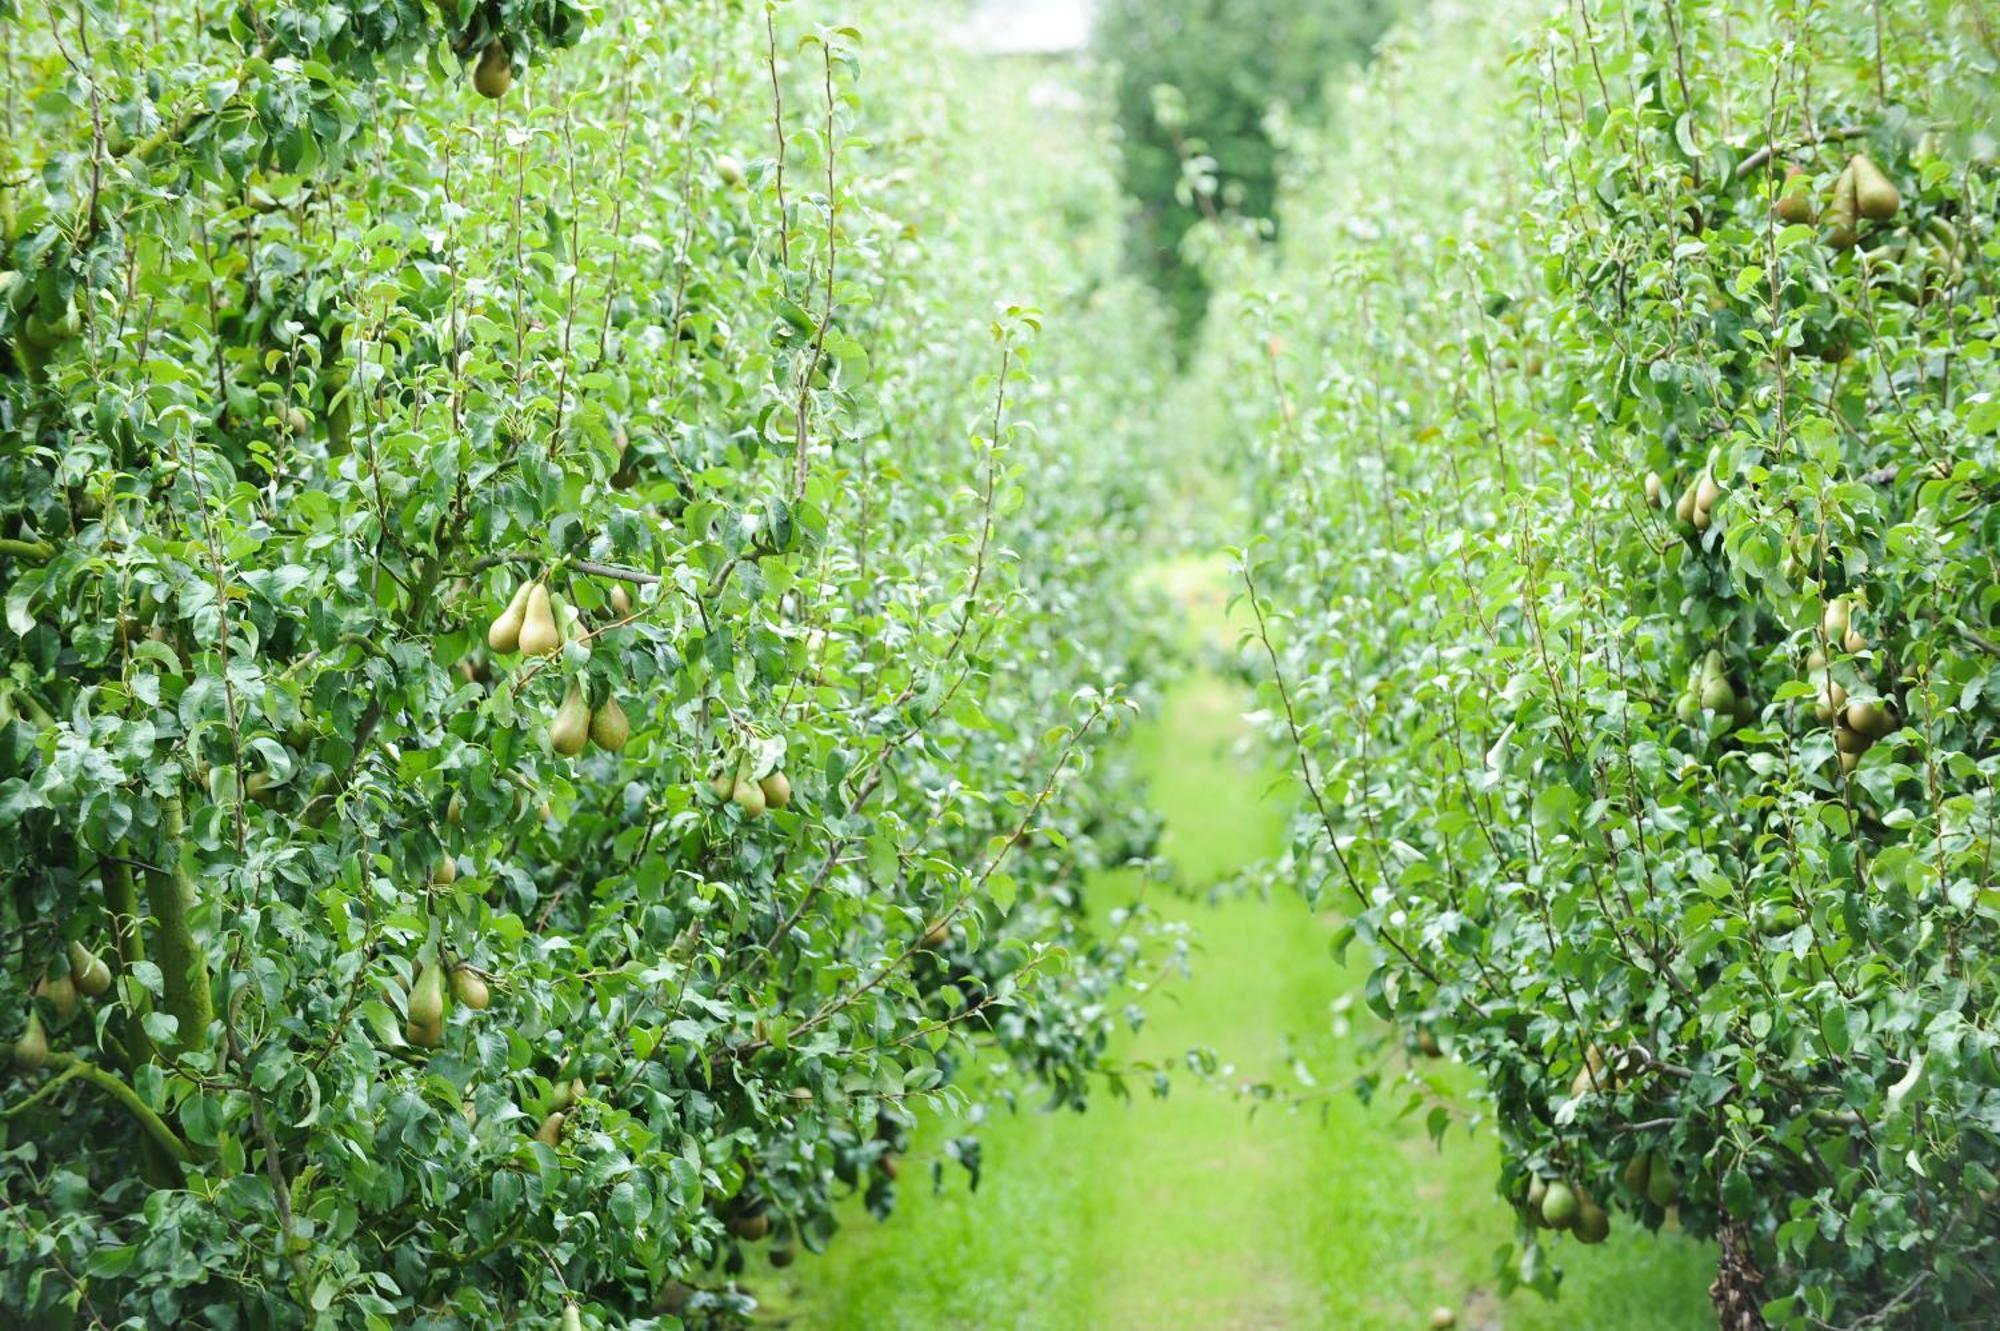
<point>1188,1212</point>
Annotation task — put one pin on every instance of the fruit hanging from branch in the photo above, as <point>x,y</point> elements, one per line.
<point>494,74</point>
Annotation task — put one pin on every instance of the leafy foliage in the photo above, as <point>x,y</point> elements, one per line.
<point>1627,561</point>
<point>314,360</point>
<point>1195,82</point>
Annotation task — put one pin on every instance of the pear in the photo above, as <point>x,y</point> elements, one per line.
<point>751,1227</point>
<point>608,727</point>
<point>777,789</point>
<point>1706,492</point>
<point>1831,697</point>
<point>61,993</point>
<point>1637,1170</point>
<point>1854,643</point>
<point>621,600</point>
<point>1834,621</point>
<point>32,1049</point>
<point>1590,1076</point>
<point>446,872</point>
<point>1794,199</point>
<point>88,970</point>
<point>1716,695</point>
<point>1653,487</point>
<point>1538,1192</point>
<point>1864,716</point>
<point>1443,1318</point>
<point>1559,1206</point>
<point>1840,214</point>
<point>550,1133</point>
<point>1662,1188</point>
<point>504,634</point>
<point>1874,197</point>
<point>724,785</point>
<point>939,934</point>
<point>572,1318</point>
<point>427,996</point>
<point>1593,1225</point>
<point>569,729</point>
<point>425,1035</point>
<point>468,988</point>
<point>1850,741</point>
<point>454,809</point>
<point>749,797</point>
<point>1688,708</point>
<point>783,1255</point>
<point>729,169</point>
<point>1684,507</point>
<point>495,73</point>
<point>539,634</point>
<point>1849,761</point>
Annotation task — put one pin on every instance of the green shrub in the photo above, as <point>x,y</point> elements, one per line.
<point>1725,955</point>
<point>315,359</point>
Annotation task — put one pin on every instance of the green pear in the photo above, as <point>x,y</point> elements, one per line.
<point>1637,1169</point>
<point>777,789</point>
<point>504,634</point>
<point>1795,198</point>
<point>32,1049</point>
<point>572,1318</point>
<point>729,169</point>
<point>539,634</point>
<point>427,997</point>
<point>608,727</point>
<point>1841,213</point>
<point>1662,1188</point>
<point>1559,1206</point>
<point>468,988</point>
<point>1593,1224</point>
<point>749,797</point>
<point>1867,717</point>
<point>92,976</point>
<point>569,729</point>
<point>495,73</point>
<point>1874,197</point>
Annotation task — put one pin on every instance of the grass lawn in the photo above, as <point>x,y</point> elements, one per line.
<point>1190,1213</point>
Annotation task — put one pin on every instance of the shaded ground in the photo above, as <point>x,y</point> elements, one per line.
<point>1188,1212</point>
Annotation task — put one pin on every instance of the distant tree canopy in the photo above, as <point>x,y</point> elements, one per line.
<point>1195,80</point>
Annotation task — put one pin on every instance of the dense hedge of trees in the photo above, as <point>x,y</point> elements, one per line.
<point>1195,83</point>
<point>548,695</point>
<point>1626,455</point>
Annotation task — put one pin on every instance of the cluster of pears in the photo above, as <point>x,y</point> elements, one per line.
<point>1860,191</point>
<point>1651,1176</point>
<point>1696,503</point>
<point>1708,689</point>
<point>528,624</point>
<point>576,723</point>
<point>1555,1204</point>
<point>754,797</point>
<point>425,1027</point>
<point>1857,722</point>
<point>88,977</point>
<point>561,1102</point>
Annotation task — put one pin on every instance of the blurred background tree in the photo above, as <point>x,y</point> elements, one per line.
<point>1195,81</point>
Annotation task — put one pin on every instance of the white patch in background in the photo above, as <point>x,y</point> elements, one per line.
<point>1028,27</point>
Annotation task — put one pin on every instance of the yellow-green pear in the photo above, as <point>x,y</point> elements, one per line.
<point>504,634</point>
<point>469,988</point>
<point>1593,1223</point>
<point>550,1133</point>
<point>427,996</point>
<point>777,788</point>
<point>1662,1188</point>
<point>88,970</point>
<point>608,727</point>
<point>61,993</point>
<point>729,169</point>
<point>32,1049</point>
<point>1874,197</point>
<point>495,73</point>
<point>1653,485</point>
<point>1795,199</point>
<point>1870,718</point>
<point>1559,1206</point>
<point>1706,492</point>
<point>621,600</point>
<point>539,634</point>
<point>1684,506</point>
<point>569,730</point>
<point>572,1317</point>
<point>749,797</point>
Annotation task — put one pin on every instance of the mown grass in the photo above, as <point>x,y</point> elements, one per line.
<point>1190,1212</point>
